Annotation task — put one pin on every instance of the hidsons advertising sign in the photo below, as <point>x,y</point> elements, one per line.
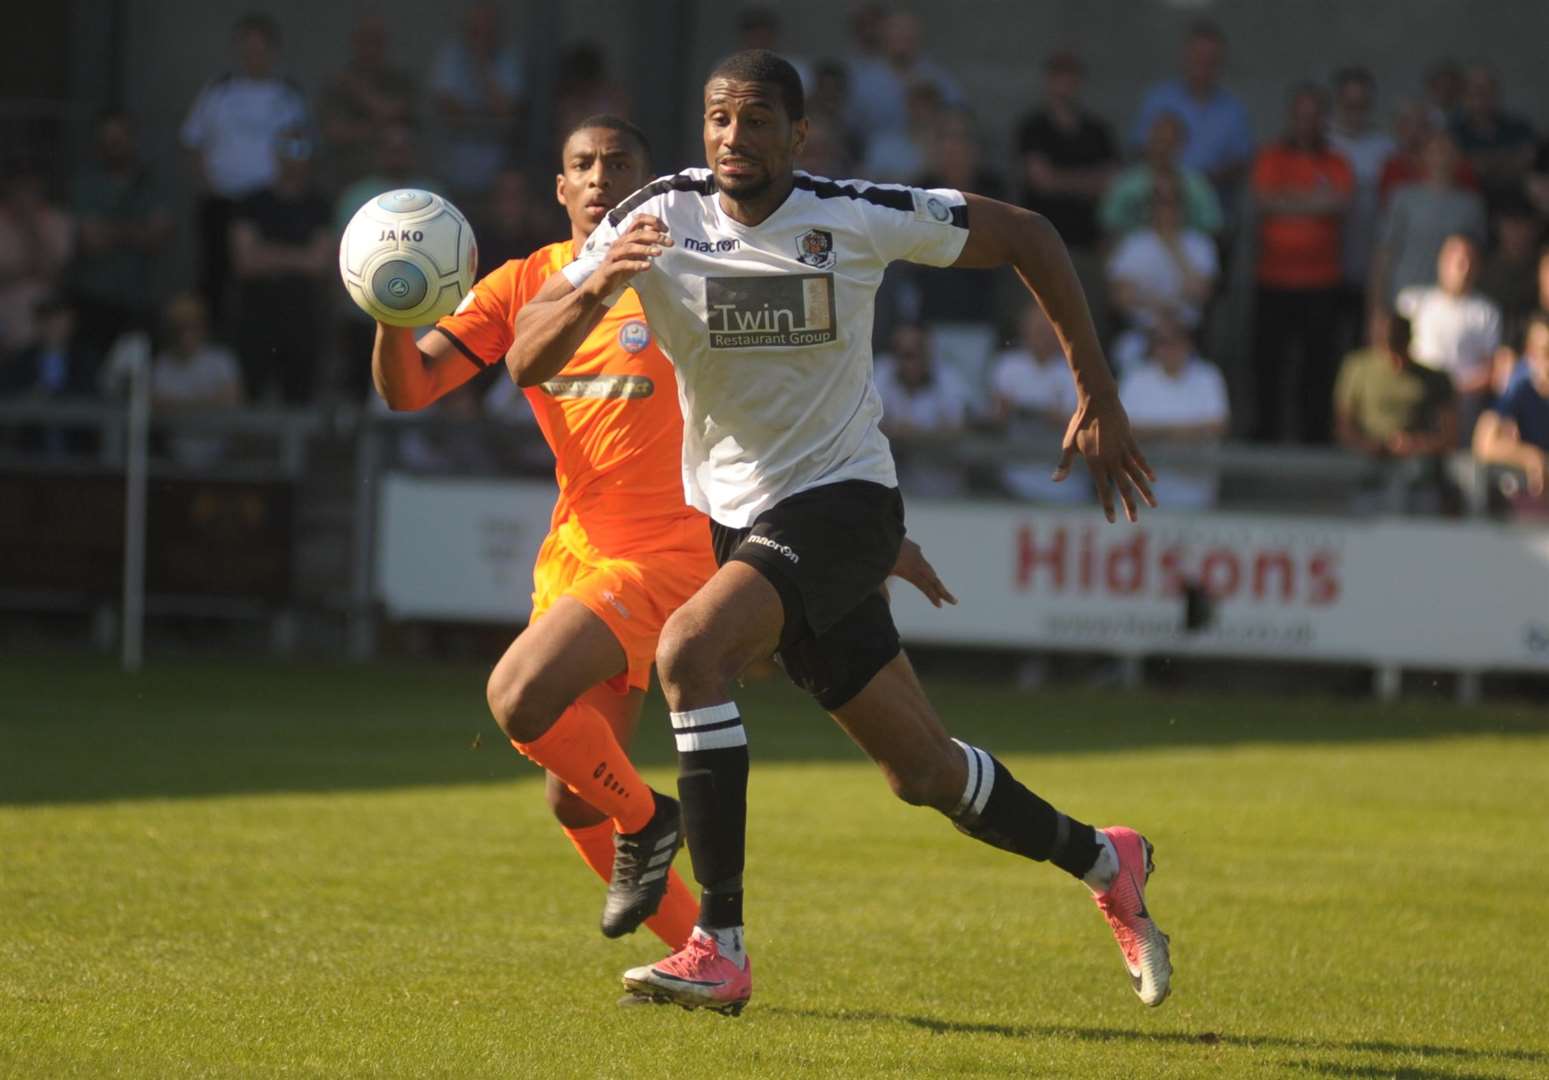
<point>1398,591</point>
<point>1384,591</point>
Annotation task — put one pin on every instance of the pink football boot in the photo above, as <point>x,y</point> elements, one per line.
<point>697,976</point>
<point>1124,906</point>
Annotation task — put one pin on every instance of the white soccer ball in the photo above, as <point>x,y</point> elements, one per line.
<point>408,257</point>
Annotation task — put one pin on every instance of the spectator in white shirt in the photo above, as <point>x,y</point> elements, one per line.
<point>1165,271</point>
<point>1177,399</point>
<point>1032,395</point>
<point>230,133</point>
<point>922,406</point>
<point>1455,329</point>
<point>193,374</point>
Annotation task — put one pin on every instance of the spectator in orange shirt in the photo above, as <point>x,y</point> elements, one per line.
<point>1302,189</point>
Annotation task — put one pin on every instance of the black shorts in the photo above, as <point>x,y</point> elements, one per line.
<point>827,552</point>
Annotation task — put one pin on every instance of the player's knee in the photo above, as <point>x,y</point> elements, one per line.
<point>690,661</point>
<point>519,705</point>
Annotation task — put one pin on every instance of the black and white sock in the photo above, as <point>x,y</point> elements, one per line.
<point>997,810</point>
<point>713,787</point>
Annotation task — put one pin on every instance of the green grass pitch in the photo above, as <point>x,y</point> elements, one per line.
<point>238,870</point>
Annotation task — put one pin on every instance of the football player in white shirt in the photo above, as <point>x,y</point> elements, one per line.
<point>760,282</point>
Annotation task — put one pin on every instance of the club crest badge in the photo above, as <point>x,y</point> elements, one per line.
<point>634,336</point>
<point>815,248</point>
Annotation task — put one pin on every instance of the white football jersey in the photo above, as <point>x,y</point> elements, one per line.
<point>769,327</point>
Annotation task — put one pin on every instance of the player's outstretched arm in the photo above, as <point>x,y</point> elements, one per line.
<point>1004,235</point>
<point>553,324</point>
<point>411,374</point>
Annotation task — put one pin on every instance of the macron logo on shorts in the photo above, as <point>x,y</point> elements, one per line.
<point>783,549</point>
<point>618,605</point>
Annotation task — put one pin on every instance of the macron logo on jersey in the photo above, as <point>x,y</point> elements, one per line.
<point>765,311</point>
<point>710,247</point>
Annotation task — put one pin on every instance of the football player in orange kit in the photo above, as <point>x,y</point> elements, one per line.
<point>624,550</point>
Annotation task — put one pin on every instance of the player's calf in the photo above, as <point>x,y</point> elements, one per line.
<point>568,808</point>
<point>934,780</point>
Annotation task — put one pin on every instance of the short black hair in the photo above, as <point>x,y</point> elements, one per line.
<point>1400,333</point>
<point>1064,61</point>
<point>609,122</point>
<point>763,66</point>
<point>1354,74</point>
<point>758,17</point>
<point>1307,88</point>
<point>1207,28</point>
<point>50,302</point>
<point>832,69</point>
<point>258,22</point>
<point>1513,203</point>
<point>583,61</point>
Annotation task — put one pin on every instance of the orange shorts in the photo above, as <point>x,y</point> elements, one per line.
<point>633,593</point>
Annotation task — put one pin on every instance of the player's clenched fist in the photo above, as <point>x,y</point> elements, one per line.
<point>631,253</point>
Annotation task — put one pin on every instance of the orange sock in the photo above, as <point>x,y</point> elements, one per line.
<point>674,920</point>
<point>582,750</point>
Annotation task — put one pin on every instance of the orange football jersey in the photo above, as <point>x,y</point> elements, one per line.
<point>611,416</point>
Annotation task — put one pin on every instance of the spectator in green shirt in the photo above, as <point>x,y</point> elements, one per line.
<point>1386,405</point>
<point>1127,205</point>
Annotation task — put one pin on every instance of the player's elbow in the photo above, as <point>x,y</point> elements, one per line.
<point>1016,236</point>
<point>399,403</point>
<point>521,372</point>
<point>524,371</point>
<point>1033,228</point>
<point>400,398</point>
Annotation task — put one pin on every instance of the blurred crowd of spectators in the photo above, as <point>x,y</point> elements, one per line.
<point>1398,274</point>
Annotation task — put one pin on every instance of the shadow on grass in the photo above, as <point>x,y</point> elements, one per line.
<point>1380,1072</point>
<point>942,1026</point>
<point>75,730</point>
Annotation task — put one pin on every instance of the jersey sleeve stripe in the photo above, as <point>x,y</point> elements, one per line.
<point>894,198</point>
<point>704,185</point>
<point>478,360</point>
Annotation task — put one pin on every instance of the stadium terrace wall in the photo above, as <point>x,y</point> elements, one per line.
<point>1384,592</point>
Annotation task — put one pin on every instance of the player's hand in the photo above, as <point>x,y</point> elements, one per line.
<point>634,250</point>
<point>1535,467</point>
<point>1099,431</point>
<point>914,568</point>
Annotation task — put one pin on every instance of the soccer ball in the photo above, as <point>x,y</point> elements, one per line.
<point>408,257</point>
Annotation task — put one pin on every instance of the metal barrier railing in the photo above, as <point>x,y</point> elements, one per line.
<point>279,443</point>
